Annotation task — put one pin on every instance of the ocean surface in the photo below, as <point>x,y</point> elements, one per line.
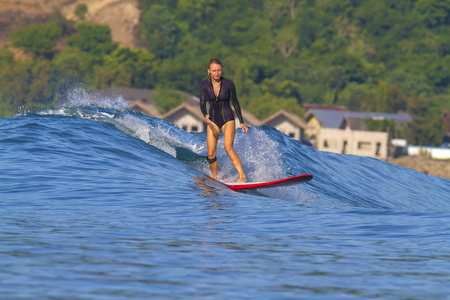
<point>101,202</point>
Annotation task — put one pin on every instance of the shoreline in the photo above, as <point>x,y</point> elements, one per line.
<point>423,164</point>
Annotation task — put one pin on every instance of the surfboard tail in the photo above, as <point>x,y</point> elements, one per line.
<point>269,184</point>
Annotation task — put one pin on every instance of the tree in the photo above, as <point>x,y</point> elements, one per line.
<point>284,89</point>
<point>67,26</point>
<point>93,38</point>
<point>382,97</point>
<point>160,31</point>
<point>73,62</point>
<point>111,75</point>
<point>284,11</point>
<point>434,12</point>
<point>358,97</point>
<point>267,105</point>
<point>37,38</point>
<point>81,11</point>
<point>14,82</point>
<point>197,12</point>
<point>352,68</point>
<point>6,58</point>
<point>427,126</point>
<point>39,89</point>
<point>286,41</point>
<point>6,65</point>
<point>137,63</point>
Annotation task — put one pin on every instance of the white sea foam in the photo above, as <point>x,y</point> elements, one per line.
<point>259,154</point>
<point>79,97</point>
<point>142,130</point>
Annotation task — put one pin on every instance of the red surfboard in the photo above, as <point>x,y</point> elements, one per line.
<point>268,184</point>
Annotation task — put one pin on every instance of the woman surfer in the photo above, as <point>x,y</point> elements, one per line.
<point>221,93</point>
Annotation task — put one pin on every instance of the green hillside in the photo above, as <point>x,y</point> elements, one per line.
<point>368,55</point>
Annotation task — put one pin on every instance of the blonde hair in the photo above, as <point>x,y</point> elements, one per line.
<point>215,61</point>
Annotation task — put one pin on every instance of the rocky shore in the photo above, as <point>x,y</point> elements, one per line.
<point>440,168</point>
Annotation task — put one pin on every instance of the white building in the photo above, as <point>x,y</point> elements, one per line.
<point>364,143</point>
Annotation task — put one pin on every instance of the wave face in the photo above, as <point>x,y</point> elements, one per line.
<point>101,201</point>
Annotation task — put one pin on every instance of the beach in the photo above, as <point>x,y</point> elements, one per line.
<point>424,164</point>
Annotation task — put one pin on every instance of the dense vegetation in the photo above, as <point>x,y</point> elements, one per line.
<point>373,55</point>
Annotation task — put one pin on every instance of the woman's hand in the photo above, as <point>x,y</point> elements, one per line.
<point>244,127</point>
<point>207,120</point>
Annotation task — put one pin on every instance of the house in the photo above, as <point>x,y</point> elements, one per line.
<point>288,123</point>
<point>145,108</point>
<point>322,118</point>
<point>346,132</point>
<point>356,120</point>
<point>187,117</point>
<point>357,142</point>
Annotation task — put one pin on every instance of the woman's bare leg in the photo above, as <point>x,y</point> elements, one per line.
<point>212,137</point>
<point>229,130</point>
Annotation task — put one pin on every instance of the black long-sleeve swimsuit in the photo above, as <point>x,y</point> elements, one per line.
<point>220,110</point>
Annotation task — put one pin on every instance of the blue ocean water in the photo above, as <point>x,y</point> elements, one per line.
<point>101,202</point>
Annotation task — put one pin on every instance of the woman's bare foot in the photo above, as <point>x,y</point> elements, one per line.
<point>241,180</point>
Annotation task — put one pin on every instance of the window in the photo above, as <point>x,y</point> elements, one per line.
<point>194,129</point>
<point>364,145</point>
<point>377,151</point>
<point>344,145</point>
